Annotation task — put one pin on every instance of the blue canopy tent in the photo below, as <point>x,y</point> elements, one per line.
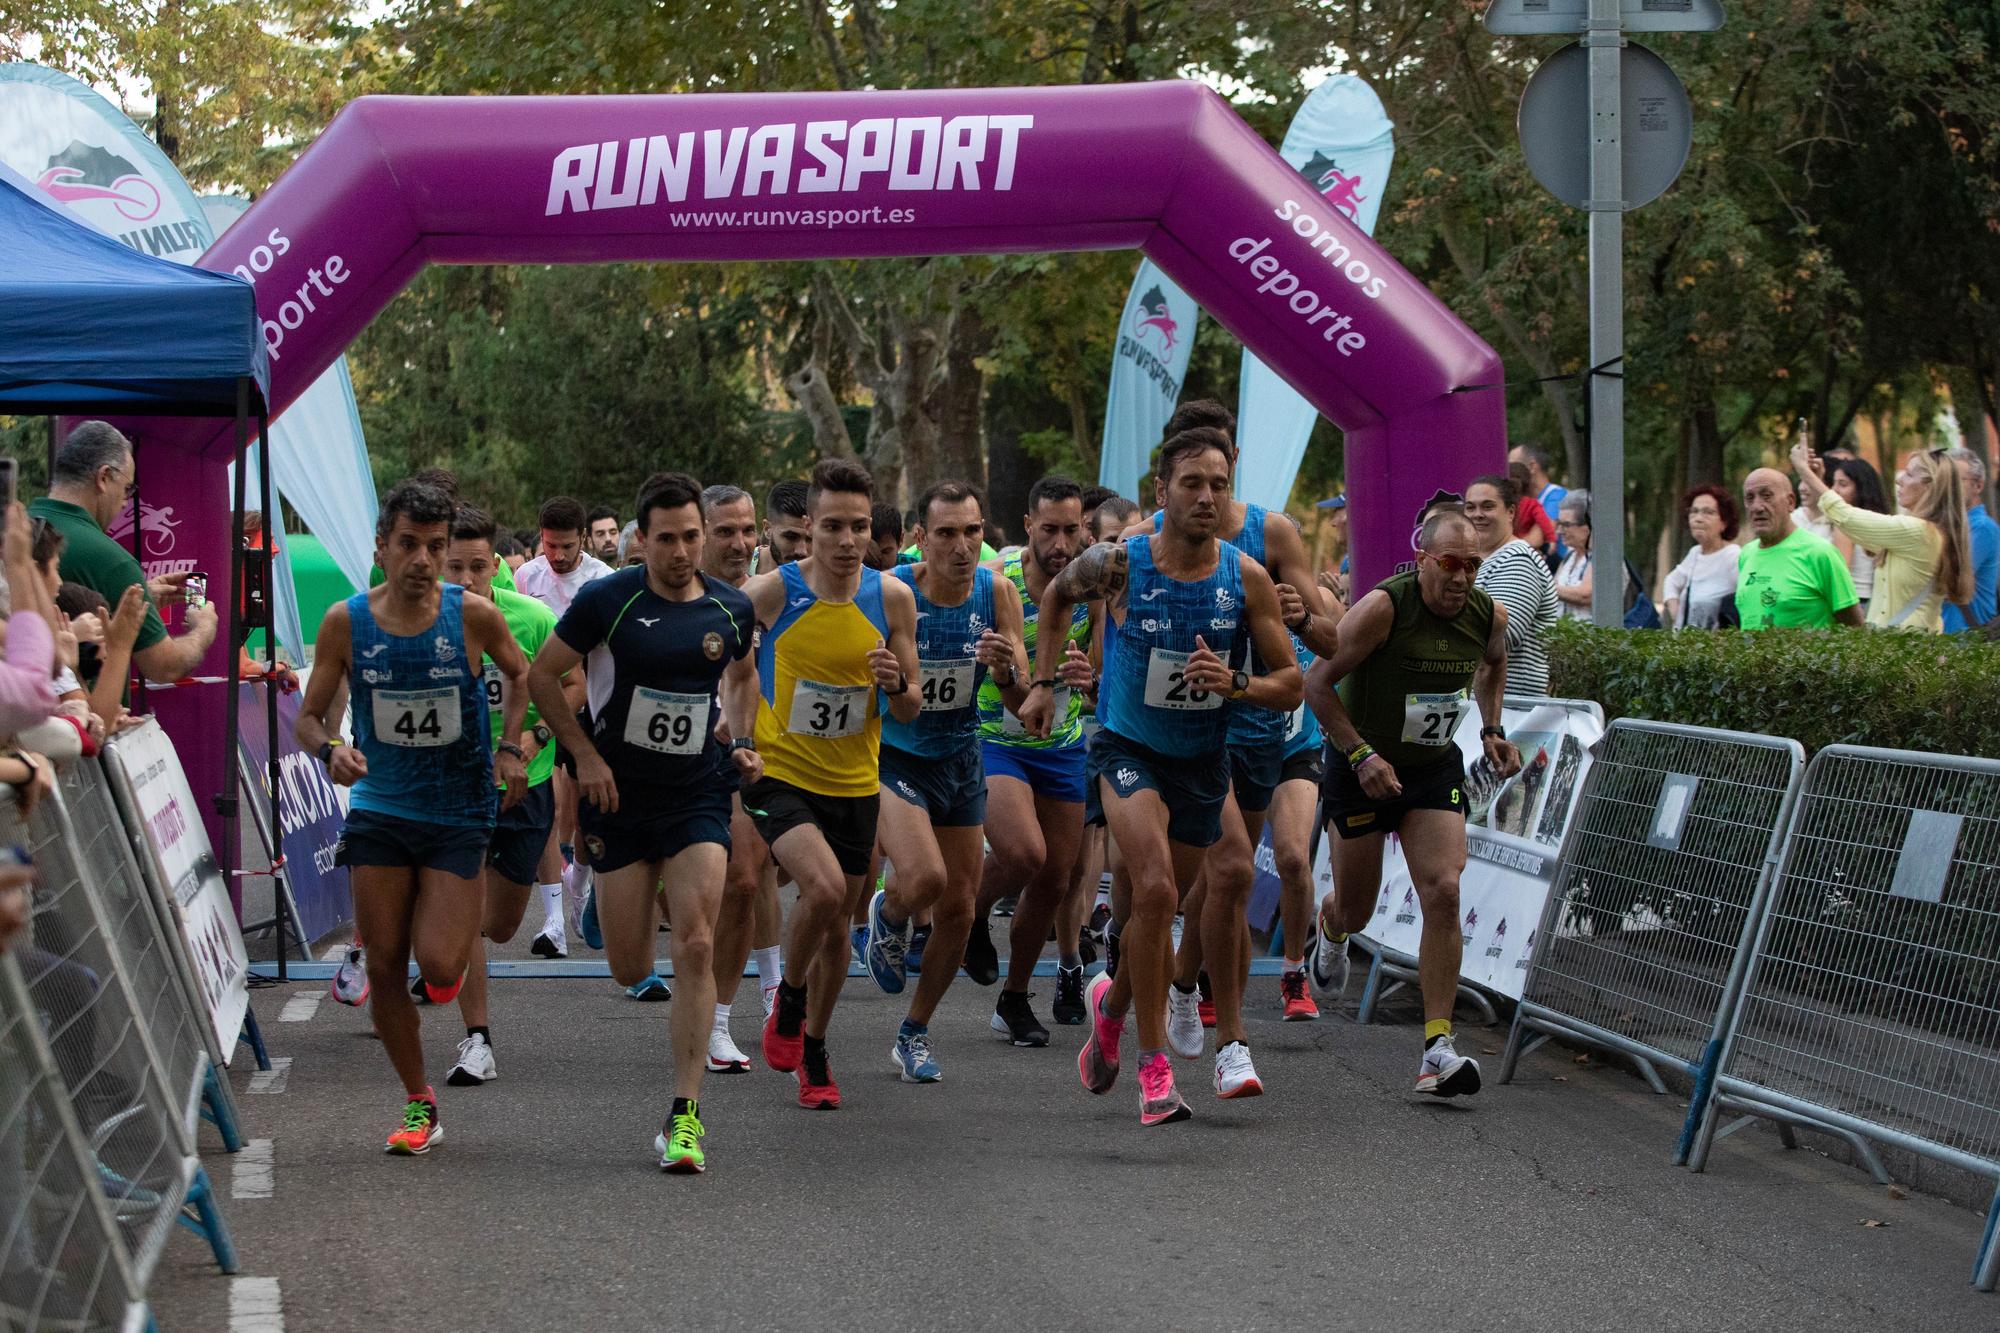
<point>90,326</point>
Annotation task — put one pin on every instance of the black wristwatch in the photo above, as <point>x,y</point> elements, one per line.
<point>542,734</point>
<point>508,747</point>
<point>743,743</point>
<point>1501,732</point>
<point>326,749</point>
<point>1239,681</point>
<point>902,686</point>
<point>1305,618</point>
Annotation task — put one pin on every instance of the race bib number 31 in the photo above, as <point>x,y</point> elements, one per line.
<point>1432,719</point>
<point>827,712</point>
<point>416,719</point>
<point>1167,687</point>
<point>667,723</point>
<point>947,683</point>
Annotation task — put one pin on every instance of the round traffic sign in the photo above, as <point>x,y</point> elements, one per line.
<point>1655,120</point>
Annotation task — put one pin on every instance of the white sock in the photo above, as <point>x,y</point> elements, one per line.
<point>722,1015</point>
<point>552,909</point>
<point>769,970</point>
<point>1103,898</point>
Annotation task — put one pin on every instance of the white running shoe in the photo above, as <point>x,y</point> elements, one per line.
<point>1184,1033</point>
<point>724,1057</point>
<point>475,1064</point>
<point>350,979</point>
<point>770,1000</point>
<point>553,942</point>
<point>1326,963</point>
<point>1235,1076</point>
<point>1445,1073</point>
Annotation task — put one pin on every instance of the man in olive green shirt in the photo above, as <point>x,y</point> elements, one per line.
<point>1788,578</point>
<point>92,481</point>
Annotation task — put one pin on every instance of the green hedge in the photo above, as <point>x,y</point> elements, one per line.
<point>1927,692</point>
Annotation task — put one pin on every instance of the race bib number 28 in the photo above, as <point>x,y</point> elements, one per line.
<point>1167,686</point>
<point>416,719</point>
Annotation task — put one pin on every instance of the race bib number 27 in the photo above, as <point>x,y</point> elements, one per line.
<point>1432,719</point>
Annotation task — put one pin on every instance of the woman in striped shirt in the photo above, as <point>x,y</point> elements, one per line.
<point>1514,574</point>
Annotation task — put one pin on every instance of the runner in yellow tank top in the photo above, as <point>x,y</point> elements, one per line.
<point>839,645</point>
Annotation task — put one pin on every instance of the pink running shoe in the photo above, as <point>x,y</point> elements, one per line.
<point>1097,1062</point>
<point>1159,1104</point>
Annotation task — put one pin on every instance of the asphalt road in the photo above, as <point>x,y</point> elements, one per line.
<point>1008,1198</point>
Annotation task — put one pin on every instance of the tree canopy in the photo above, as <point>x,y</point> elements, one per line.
<point>1831,252</point>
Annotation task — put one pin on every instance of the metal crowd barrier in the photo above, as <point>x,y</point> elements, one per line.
<point>63,1261</point>
<point>122,1033</point>
<point>1872,1009</point>
<point>1661,884</point>
<point>151,948</point>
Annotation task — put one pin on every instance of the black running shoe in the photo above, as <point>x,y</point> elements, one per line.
<point>1111,951</point>
<point>1100,922</point>
<point>982,964</point>
<point>1086,947</point>
<point>417,992</point>
<point>1014,1019</point>
<point>1005,907</point>
<point>1069,996</point>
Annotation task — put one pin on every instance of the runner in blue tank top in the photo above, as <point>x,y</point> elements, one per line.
<point>933,810</point>
<point>1258,767</point>
<point>424,801</point>
<point>1183,609</point>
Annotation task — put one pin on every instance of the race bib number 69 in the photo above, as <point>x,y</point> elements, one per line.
<point>667,723</point>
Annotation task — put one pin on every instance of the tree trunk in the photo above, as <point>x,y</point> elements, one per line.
<point>1703,436</point>
<point>809,385</point>
<point>957,403</point>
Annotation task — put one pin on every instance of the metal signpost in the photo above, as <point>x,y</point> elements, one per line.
<point>1553,135</point>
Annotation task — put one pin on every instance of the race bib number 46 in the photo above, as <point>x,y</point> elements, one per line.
<point>1432,719</point>
<point>416,719</point>
<point>827,712</point>
<point>946,683</point>
<point>667,723</point>
<point>1167,686</point>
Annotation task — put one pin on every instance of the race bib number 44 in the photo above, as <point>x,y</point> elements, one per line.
<point>416,719</point>
<point>1432,719</point>
<point>946,683</point>
<point>1167,687</point>
<point>667,723</point>
<point>827,712</point>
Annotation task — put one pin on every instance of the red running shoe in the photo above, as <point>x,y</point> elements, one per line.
<point>817,1090</point>
<point>1299,1006</point>
<point>785,1032</point>
<point>421,1127</point>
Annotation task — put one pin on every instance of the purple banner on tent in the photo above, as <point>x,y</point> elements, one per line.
<point>310,809</point>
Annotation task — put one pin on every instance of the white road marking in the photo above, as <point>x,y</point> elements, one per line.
<point>255,1305</point>
<point>301,1007</point>
<point>251,1178</point>
<point>274,1078</point>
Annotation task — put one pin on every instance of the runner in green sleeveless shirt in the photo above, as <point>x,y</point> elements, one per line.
<point>1034,802</point>
<point>1415,656</point>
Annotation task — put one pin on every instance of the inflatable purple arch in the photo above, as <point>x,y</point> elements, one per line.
<point>399,182</point>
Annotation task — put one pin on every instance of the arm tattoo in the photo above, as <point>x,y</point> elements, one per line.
<point>1097,574</point>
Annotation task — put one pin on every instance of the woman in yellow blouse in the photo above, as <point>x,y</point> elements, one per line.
<point>1926,550</point>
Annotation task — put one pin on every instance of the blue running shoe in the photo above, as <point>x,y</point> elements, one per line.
<point>586,924</point>
<point>883,950</point>
<point>913,955</point>
<point>857,943</point>
<point>912,1055</point>
<point>653,990</point>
